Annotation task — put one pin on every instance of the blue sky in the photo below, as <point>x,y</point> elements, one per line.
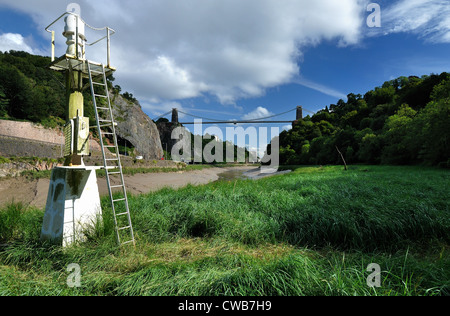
<point>247,59</point>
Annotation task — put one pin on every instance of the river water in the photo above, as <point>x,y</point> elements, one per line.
<point>247,173</point>
<point>233,174</point>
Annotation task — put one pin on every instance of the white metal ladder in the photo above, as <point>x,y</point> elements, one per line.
<point>111,163</point>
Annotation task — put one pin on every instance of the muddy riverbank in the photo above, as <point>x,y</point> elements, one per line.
<point>34,192</point>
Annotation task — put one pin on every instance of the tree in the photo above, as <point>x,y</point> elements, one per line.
<point>383,95</point>
<point>162,120</point>
<point>4,102</point>
<point>17,90</point>
<point>398,147</point>
<point>117,89</point>
<point>288,156</point>
<point>129,96</point>
<point>370,149</point>
<point>417,93</point>
<point>430,133</point>
<point>28,90</point>
<point>441,90</point>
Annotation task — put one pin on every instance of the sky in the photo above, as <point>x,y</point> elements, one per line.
<point>246,59</point>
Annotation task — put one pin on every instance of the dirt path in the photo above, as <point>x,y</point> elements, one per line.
<point>34,192</point>
<point>17,190</point>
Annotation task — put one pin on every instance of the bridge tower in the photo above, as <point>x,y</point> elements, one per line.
<point>174,116</point>
<point>298,116</point>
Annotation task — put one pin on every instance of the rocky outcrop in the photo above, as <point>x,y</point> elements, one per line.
<point>165,133</point>
<point>182,137</point>
<point>136,127</point>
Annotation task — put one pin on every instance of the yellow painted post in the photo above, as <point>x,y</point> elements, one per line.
<point>75,113</point>
<point>76,107</point>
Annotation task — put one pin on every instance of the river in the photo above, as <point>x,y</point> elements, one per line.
<point>253,173</point>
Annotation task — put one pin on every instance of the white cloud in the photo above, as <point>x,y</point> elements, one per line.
<point>11,41</point>
<point>258,113</point>
<point>321,88</point>
<point>428,19</point>
<point>159,107</point>
<point>231,49</point>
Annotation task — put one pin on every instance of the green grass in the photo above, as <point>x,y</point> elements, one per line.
<point>313,231</point>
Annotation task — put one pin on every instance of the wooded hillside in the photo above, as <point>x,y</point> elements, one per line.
<point>405,121</point>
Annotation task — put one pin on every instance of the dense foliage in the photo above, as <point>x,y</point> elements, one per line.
<point>28,91</point>
<point>405,121</point>
<point>31,92</point>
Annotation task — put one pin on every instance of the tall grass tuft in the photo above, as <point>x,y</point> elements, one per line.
<point>352,211</point>
<point>18,222</point>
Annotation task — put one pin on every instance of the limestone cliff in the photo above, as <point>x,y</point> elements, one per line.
<point>136,127</point>
<point>165,133</point>
<point>183,138</point>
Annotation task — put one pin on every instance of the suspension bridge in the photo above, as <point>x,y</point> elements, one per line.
<point>262,120</point>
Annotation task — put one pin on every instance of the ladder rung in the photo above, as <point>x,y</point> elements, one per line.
<point>100,120</point>
<point>107,125</point>
<point>109,146</point>
<point>114,172</point>
<point>127,242</point>
<point>108,133</point>
<point>118,200</point>
<point>102,108</point>
<point>116,186</point>
<point>101,96</point>
<point>121,214</point>
<point>99,83</point>
<point>113,161</point>
<point>125,227</point>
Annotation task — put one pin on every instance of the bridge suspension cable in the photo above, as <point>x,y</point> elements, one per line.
<point>275,115</point>
<point>306,110</point>
<point>162,116</point>
<point>255,120</point>
<point>196,116</point>
<point>237,121</point>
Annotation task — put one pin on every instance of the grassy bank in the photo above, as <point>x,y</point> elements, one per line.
<point>310,232</point>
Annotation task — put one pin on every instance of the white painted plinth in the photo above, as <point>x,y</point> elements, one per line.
<point>73,205</point>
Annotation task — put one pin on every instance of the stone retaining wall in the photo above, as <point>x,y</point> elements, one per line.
<point>31,131</point>
<point>20,147</point>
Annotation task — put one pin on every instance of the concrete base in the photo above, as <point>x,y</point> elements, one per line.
<point>73,205</point>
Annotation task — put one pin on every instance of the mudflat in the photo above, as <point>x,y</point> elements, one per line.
<point>34,192</point>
